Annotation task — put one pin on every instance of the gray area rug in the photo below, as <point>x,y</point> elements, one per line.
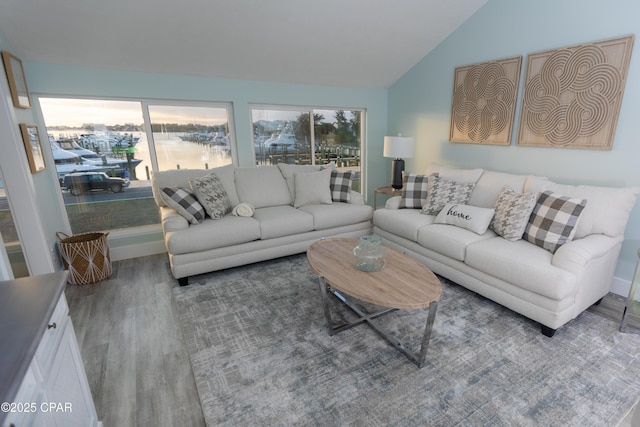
<point>261,355</point>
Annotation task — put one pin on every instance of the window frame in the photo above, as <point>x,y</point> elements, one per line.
<point>310,110</point>
<point>139,234</point>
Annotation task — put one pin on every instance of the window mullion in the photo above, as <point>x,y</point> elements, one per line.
<point>149,132</point>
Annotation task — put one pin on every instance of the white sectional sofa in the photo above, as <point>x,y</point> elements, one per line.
<point>549,284</point>
<point>254,213</point>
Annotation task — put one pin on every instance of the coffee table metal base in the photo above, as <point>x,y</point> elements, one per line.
<point>417,358</point>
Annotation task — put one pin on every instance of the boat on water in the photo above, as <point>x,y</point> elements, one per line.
<point>282,138</point>
<point>106,141</point>
<point>196,137</point>
<point>67,162</point>
<point>91,157</point>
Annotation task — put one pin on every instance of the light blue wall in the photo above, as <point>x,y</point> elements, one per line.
<point>45,185</point>
<point>420,102</point>
<point>50,79</point>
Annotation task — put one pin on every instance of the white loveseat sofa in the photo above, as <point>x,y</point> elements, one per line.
<point>262,213</point>
<point>548,286</point>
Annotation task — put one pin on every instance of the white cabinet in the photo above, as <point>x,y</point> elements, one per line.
<point>55,391</point>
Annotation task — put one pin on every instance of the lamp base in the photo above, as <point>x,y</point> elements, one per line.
<point>397,167</point>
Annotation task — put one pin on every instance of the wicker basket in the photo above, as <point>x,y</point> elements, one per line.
<point>86,256</point>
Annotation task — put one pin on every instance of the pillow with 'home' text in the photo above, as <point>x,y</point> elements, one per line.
<point>472,218</point>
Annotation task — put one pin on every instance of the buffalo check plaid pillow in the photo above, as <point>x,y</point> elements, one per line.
<point>340,185</point>
<point>414,191</point>
<point>553,220</point>
<point>184,202</point>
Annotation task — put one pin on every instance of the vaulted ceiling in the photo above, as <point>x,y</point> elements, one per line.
<point>354,43</point>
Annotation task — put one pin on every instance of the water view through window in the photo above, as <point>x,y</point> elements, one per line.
<point>104,156</point>
<point>308,136</point>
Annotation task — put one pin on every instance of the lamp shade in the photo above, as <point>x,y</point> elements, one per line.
<point>399,147</point>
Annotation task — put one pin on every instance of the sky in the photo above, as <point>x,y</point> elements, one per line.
<point>75,112</point>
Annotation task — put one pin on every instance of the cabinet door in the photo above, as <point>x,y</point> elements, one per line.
<point>67,387</point>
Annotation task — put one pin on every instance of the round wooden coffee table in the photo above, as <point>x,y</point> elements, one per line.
<point>403,283</point>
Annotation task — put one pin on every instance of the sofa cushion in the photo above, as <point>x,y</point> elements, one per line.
<point>212,234</point>
<point>512,213</point>
<point>312,188</point>
<point>402,222</point>
<point>448,240</point>
<point>414,191</point>
<point>181,177</point>
<point>522,264</point>
<point>211,195</point>
<point>338,214</point>
<point>340,185</point>
<point>288,172</point>
<point>278,221</point>
<point>607,210</point>
<point>262,186</point>
<point>454,174</point>
<point>490,184</point>
<point>553,221</point>
<point>471,218</point>
<point>184,202</point>
<point>441,191</point>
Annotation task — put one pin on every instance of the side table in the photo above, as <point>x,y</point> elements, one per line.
<point>631,313</point>
<point>387,190</point>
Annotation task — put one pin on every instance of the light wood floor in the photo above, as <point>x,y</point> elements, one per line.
<point>134,350</point>
<point>133,347</point>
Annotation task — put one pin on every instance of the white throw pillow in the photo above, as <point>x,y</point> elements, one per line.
<point>312,188</point>
<point>262,186</point>
<point>454,174</point>
<point>288,172</point>
<point>472,218</point>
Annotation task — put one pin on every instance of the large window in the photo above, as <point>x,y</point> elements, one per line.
<point>190,137</point>
<point>308,136</point>
<point>126,140</point>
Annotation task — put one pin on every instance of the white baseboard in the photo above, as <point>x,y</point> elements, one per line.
<point>135,251</point>
<point>620,286</point>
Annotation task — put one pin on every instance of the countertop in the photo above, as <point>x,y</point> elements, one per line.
<point>26,306</point>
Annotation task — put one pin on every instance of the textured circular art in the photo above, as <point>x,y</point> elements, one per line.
<point>484,100</point>
<point>572,96</point>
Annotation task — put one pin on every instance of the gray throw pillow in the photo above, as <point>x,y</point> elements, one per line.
<point>512,213</point>
<point>553,221</point>
<point>340,186</point>
<point>414,191</point>
<point>184,202</point>
<point>212,195</point>
<point>442,191</point>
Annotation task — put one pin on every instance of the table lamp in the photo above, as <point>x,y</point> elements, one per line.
<point>399,148</point>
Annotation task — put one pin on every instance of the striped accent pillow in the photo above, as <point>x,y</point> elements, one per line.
<point>184,202</point>
<point>553,220</point>
<point>414,191</point>
<point>340,186</point>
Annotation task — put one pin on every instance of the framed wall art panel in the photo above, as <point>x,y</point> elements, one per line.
<point>17,81</point>
<point>33,147</point>
<point>484,102</point>
<point>572,95</point>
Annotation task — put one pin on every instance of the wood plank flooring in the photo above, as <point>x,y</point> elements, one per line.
<point>134,350</point>
<point>133,347</point>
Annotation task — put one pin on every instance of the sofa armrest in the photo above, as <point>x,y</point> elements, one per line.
<point>172,220</point>
<point>356,198</point>
<point>393,202</point>
<point>576,254</point>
